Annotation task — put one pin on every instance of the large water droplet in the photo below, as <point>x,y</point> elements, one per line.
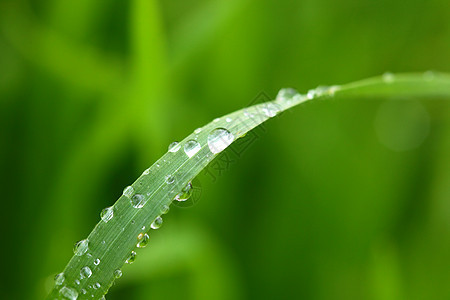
<point>137,201</point>
<point>270,109</point>
<point>157,223</point>
<point>191,148</point>
<point>81,247</point>
<point>128,191</point>
<point>174,147</point>
<point>85,272</point>
<point>107,214</point>
<point>219,139</point>
<point>131,258</point>
<point>185,193</point>
<point>142,240</point>
<point>97,262</point>
<point>69,293</point>
<point>286,95</point>
<point>117,273</point>
<point>59,278</point>
<point>170,179</point>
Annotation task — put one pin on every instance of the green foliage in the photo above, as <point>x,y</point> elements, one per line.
<point>342,199</point>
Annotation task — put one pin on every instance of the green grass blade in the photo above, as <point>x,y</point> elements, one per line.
<point>112,240</point>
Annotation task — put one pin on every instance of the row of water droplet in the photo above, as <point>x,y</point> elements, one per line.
<point>217,140</point>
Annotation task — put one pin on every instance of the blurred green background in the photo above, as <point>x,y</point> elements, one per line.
<point>334,200</point>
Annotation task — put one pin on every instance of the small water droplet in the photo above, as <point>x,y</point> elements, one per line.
<point>142,240</point>
<point>428,75</point>
<point>59,278</point>
<point>146,172</point>
<point>216,120</point>
<point>191,148</point>
<point>185,193</point>
<point>157,223</point>
<point>117,273</point>
<point>68,292</point>
<point>97,285</point>
<point>103,242</point>
<point>97,262</point>
<point>174,147</point>
<point>228,120</point>
<point>311,94</point>
<point>198,130</point>
<point>388,77</point>
<point>128,191</point>
<point>137,201</point>
<point>247,113</point>
<point>131,258</point>
<point>286,95</point>
<point>143,227</point>
<point>170,179</point>
<point>107,214</point>
<point>83,291</point>
<point>333,89</point>
<point>165,209</point>
<point>219,139</point>
<point>85,272</point>
<point>81,247</point>
<point>77,281</point>
<point>270,109</point>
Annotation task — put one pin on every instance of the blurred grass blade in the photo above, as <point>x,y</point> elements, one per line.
<point>98,258</point>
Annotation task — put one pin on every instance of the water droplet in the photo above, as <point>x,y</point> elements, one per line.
<point>107,214</point>
<point>83,291</point>
<point>185,193</point>
<point>68,292</point>
<point>103,298</point>
<point>128,191</point>
<point>143,227</point>
<point>146,172</point>
<point>198,130</point>
<point>142,240</point>
<point>191,148</point>
<point>286,95</point>
<point>216,120</point>
<point>85,272</point>
<point>81,247</point>
<point>170,179</point>
<point>97,262</point>
<point>247,113</point>
<point>97,285</point>
<point>428,75</point>
<point>59,278</point>
<point>270,109</point>
<point>131,258</point>
<point>117,273</point>
<point>174,147</point>
<point>165,209</point>
<point>219,139</point>
<point>388,77</point>
<point>311,94</point>
<point>333,89</point>
<point>137,201</point>
<point>228,120</point>
<point>103,242</point>
<point>77,281</point>
<point>157,223</point>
